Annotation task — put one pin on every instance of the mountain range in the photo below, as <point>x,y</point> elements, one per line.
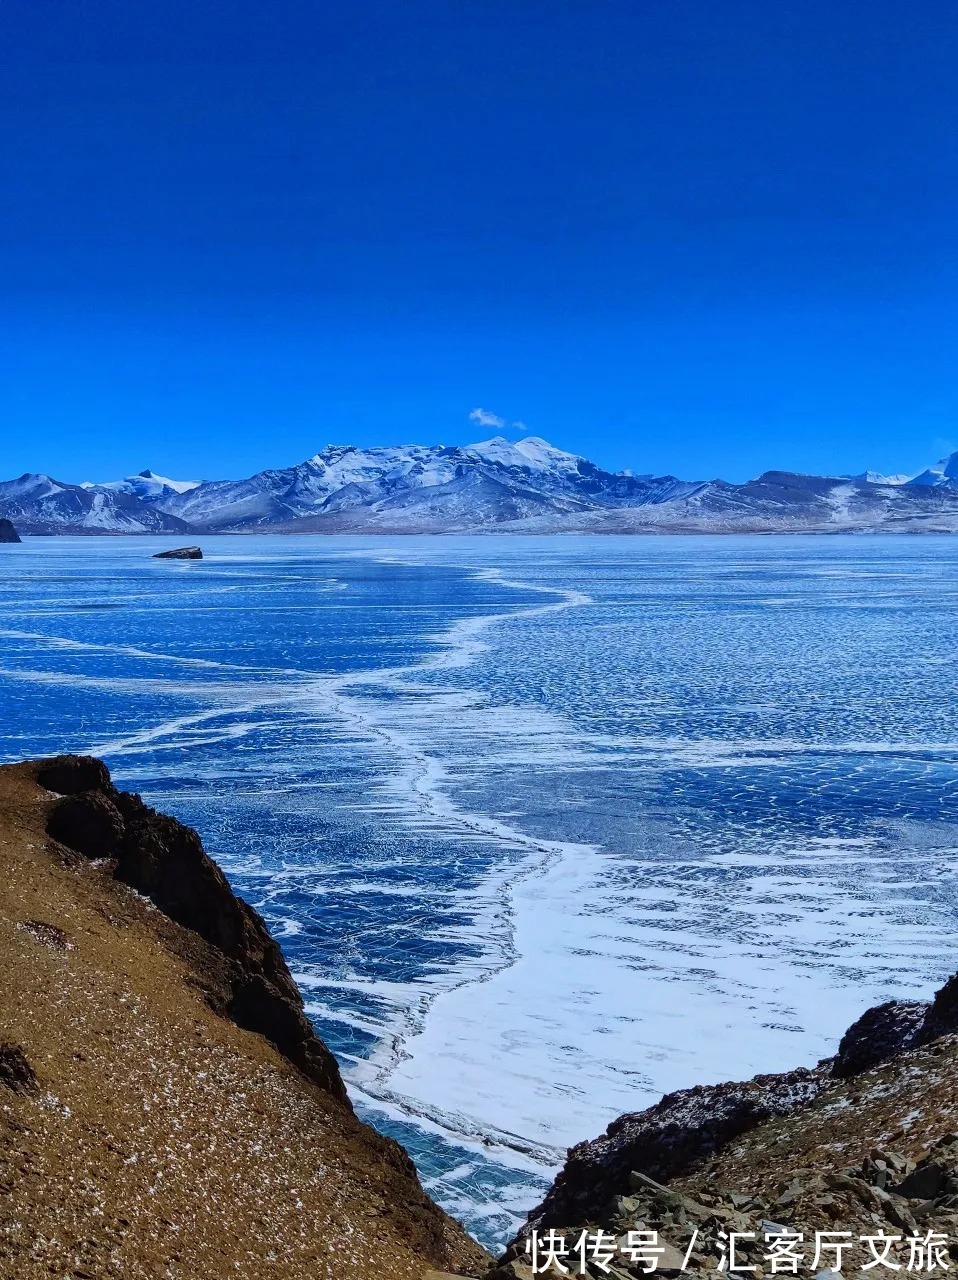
<point>496,485</point>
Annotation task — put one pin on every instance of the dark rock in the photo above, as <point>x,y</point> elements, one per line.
<point>242,973</point>
<point>15,1071</point>
<point>257,1005</point>
<point>666,1199</point>
<point>165,860</point>
<point>623,1208</point>
<point>879,1034</point>
<point>89,823</point>
<point>942,1015</point>
<point>668,1139</point>
<point>48,935</point>
<point>180,553</point>
<point>68,775</point>
<point>901,1216</point>
<point>767,1228</point>
<point>7,532</point>
<point>925,1182</point>
<point>935,1175</point>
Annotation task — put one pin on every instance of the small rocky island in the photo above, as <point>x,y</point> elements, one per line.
<point>7,532</point>
<point>180,553</point>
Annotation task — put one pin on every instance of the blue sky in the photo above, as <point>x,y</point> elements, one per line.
<point>675,235</point>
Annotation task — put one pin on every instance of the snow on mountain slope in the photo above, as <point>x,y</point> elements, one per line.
<point>876,477</point>
<point>341,477</point>
<point>532,453</point>
<point>470,500</point>
<point>789,502</point>
<point>277,496</point>
<point>39,504</point>
<point>146,485</point>
<point>943,473</point>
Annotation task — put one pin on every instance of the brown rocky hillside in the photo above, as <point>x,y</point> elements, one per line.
<point>166,1110</point>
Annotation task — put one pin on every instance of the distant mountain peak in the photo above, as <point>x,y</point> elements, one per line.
<point>876,477</point>
<point>942,474</point>
<point>531,452</point>
<point>147,485</point>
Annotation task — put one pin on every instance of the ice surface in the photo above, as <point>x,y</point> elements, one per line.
<point>545,827</point>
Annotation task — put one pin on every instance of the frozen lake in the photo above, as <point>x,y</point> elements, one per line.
<point>546,827</point>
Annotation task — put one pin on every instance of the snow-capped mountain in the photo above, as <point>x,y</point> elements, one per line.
<point>39,504</point>
<point>146,485</point>
<point>787,502</point>
<point>523,486</point>
<point>473,485</point>
<point>944,473</point>
<point>876,477</point>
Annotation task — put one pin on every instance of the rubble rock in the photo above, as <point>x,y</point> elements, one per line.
<point>934,1176</point>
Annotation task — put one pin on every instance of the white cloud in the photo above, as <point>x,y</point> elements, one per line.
<point>486,419</point>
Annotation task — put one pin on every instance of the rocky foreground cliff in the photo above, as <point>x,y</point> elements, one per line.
<point>864,1144</point>
<point>166,1109</point>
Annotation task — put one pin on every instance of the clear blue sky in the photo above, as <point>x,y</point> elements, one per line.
<point>704,237</point>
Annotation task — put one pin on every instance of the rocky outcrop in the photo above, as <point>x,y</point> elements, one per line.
<point>689,1130</point>
<point>180,553</point>
<point>7,532</point>
<point>879,1034</point>
<point>886,1195</point>
<point>16,1074</point>
<point>941,1017</point>
<point>245,976</point>
<point>669,1138</point>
